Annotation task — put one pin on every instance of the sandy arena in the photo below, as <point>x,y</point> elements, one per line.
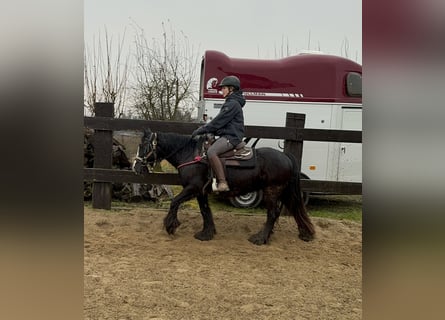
<point>135,270</point>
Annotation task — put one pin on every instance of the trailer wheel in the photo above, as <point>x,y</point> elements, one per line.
<point>248,200</point>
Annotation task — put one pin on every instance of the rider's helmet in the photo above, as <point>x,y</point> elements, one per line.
<point>230,81</point>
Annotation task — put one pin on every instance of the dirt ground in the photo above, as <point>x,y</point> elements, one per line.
<point>134,270</point>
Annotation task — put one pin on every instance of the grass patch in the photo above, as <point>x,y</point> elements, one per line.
<point>340,207</point>
<point>347,207</point>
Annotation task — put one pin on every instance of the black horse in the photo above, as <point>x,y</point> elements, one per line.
<point>274,172</point>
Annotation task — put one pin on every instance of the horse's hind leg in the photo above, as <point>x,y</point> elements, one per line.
<point>273,212</point>
<point>208,229</point>
<point>171,222</point>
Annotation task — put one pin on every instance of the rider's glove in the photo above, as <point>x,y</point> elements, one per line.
<point>198,131</point>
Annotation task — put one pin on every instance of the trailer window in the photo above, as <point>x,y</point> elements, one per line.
<point>354,84</point>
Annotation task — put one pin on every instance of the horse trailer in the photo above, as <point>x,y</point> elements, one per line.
<point>326,88</point>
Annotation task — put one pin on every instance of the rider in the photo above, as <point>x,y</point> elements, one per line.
<point>228,125</point>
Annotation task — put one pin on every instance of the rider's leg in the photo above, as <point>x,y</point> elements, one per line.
<point>218,147</point>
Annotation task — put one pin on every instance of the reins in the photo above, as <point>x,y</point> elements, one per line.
<point>196,160</point>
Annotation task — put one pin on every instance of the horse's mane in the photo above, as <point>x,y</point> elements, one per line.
<point>182,145</point>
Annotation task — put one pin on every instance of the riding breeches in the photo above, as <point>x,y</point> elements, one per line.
<point>220,146</point>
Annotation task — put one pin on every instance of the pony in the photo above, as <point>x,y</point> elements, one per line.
<point>274,172</point>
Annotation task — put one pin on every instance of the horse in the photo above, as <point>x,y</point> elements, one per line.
<point>274,172</point>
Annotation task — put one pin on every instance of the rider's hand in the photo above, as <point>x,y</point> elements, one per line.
<point>197,132</point>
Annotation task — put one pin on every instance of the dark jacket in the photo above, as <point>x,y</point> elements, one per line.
<point>229,122</point>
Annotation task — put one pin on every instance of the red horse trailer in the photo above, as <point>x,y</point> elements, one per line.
<point>327,88</point>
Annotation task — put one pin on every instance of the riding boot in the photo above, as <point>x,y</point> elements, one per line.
<point>218,168</point>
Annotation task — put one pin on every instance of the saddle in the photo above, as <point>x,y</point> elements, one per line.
<point>240,156</point>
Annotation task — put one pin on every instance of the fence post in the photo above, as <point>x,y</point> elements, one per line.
<point>103,153</point>
<point>295,120</point>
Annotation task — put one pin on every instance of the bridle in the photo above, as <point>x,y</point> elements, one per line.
<point>153,141</point>
<point>151,153</point>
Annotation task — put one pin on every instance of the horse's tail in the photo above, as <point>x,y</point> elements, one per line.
<point>293,200</point>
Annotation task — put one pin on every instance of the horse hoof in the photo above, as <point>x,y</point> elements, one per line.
<point>171,227</point>
<point>306,237</point>
<point>204,236</point>
<point>257,239</point>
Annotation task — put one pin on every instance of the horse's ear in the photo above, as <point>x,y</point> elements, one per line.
<point>147,132</point>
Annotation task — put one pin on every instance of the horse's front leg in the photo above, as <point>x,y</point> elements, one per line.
<point>208,229</point>
<point>171,222</point>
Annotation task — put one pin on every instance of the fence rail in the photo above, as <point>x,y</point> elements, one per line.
<point>284,133</point>
<point>293,133</point>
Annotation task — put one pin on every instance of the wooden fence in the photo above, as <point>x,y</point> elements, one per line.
<point>293,133</point>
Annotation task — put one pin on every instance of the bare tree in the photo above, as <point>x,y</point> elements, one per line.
<point>345,48</point>
<point>284,50</point>
<point>106,75</point>
<point>165,76</point>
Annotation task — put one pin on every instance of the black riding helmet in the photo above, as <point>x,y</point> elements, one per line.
<point>230,81</point>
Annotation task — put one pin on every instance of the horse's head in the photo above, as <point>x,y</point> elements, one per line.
<point>146,156</point>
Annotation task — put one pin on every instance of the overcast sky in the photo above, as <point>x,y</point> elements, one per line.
<point>241,29</point>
